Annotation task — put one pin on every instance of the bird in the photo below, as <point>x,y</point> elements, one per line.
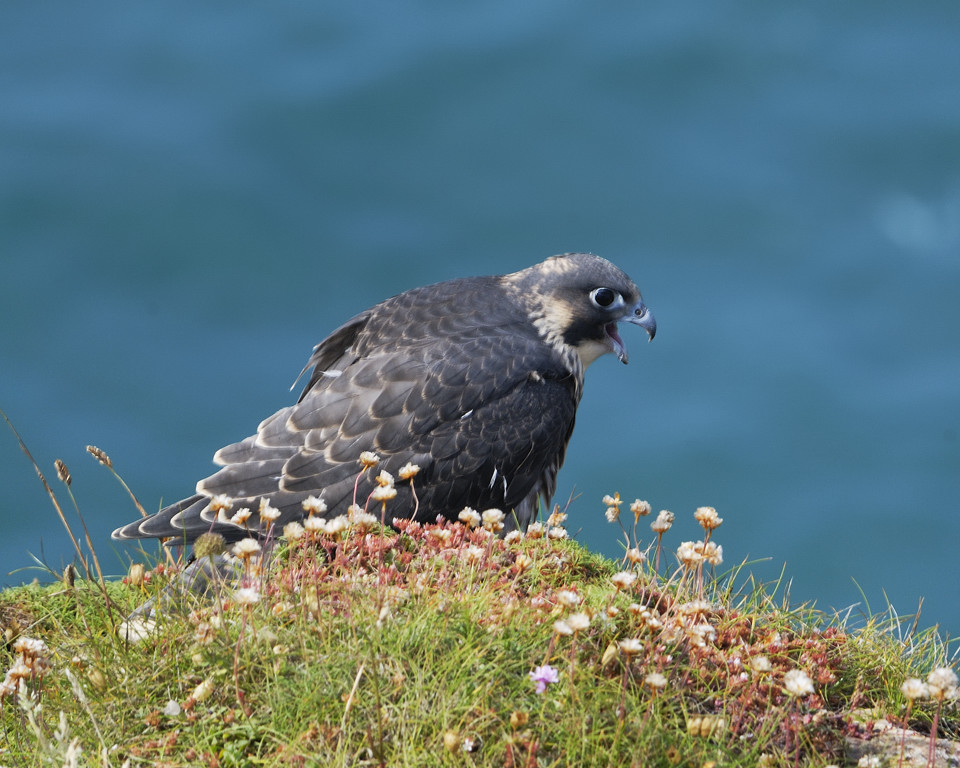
<point>472,383</point>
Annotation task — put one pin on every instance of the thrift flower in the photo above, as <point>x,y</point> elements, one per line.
<point>268,513</point>
<point>914,689</point>
<point>246,548</point>
<point>708,518</point>
<point>561,627</point>
<point>408,471</point>
<point>469,517</point>
<point>493,520</point>
<point>369,459</point>
<point>314,505</point>
<point>631,646</point>
<point>293,531</point>
<point>655,680</point>
<point>613,506</point>
<point>942,684</point>
<point>535,530</point>
<point>663,522</point>
<point>578,621</point>
<point>544,676</point>
<point>640,509</point>
<point>797,683</point>
<point>219,502</point>
<point>623,580</point>
<point>246,596</point>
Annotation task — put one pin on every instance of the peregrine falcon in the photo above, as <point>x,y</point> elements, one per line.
<point>476,381</point>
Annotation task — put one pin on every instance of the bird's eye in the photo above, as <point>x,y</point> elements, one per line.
<point>604,297</point>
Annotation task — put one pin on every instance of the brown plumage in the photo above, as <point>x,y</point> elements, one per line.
<point>475,380</point>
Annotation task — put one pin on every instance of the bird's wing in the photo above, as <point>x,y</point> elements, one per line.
<point>485,411</point>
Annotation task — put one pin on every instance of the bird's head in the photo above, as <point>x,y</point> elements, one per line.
<point>575,300</point>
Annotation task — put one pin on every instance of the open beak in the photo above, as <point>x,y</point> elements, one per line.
<point>639,315</point>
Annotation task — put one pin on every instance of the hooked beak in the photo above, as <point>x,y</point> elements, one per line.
<point>639,315</point>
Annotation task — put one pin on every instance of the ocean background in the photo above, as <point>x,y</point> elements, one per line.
<point>193,195</point>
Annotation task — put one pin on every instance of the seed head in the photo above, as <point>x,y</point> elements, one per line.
<point>63,473</point>
<point>100,456</point>
<point>209,545</point>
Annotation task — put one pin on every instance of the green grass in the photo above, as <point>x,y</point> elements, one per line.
<point>395,648</point>
<point>414,647</point>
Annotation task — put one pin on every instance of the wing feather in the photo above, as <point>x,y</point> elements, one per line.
<point>425,377</point>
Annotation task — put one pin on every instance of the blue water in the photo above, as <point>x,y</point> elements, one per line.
<point>192,195</point>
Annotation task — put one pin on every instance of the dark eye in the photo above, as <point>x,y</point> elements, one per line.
<point>604,297</point>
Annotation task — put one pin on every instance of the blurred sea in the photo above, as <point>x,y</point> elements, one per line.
<point>192,195</point>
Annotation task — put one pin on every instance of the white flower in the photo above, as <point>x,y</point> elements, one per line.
<point>557,518</point>
<point>408,471</point>
<point>578,621</point>
<point>612,514</point>
<point>241,516</point>
<point>663,522</point>
<point>246,596</point>
<point>293,531</point>
<point>761,664</point>
<point>562,628</point>
<point>492,520</point>
<point>469,517</point>
<point>383,493</point>
<point>364,521</point>
<point>624,579</point>
<point>568,598</point>
<point>369,459</point>
<point>689,554</point>
<point>797,683</point>
<point>556,532</point>
<point>314,524</point>
<point>535,530</point>
<point>336,526</point>
<point>513,537</point>
<point>640,509</point>
<point>942,684</point>
<point>268,512</point>
<point>708,518</point>
<point>246,548</point>
<point>914,689</point>
<point>713,553</point>
<point>474,554</point>
<point>220,502</point>
<point>313,505</point>
<point>630,646</point>
<point>385,479</point>
<point>655,680</point>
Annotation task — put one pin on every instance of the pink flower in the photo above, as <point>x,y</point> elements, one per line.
<point>543,676</point>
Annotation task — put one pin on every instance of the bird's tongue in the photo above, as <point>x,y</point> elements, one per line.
<point>618,346</point>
